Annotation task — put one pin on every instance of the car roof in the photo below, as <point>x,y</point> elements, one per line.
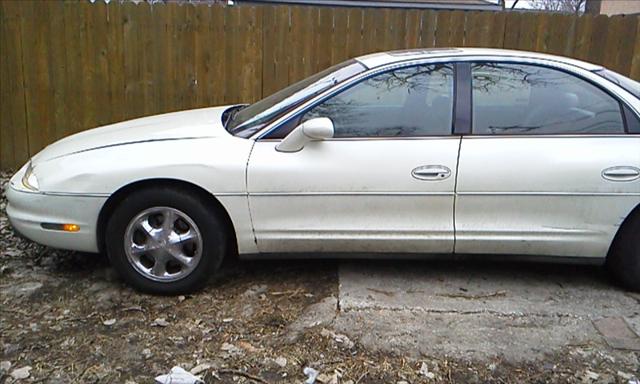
<point>374,60</point>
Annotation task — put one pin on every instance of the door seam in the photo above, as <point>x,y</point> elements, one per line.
<point>455,195</point>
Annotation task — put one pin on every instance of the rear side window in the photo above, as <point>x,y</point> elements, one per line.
<point>516,99</point>
<point>406,102</point>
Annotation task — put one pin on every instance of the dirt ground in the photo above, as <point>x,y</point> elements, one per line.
<point>70,319</point>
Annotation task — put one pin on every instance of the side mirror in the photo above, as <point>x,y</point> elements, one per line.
<point>320,128</point>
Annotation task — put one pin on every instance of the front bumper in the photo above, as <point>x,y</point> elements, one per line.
<point>28,210</point>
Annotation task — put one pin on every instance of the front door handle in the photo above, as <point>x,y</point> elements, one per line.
<point>621,173</point>
<point>431,172</point>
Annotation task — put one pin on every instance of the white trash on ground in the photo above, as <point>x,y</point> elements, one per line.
<point>178,375</point>
<point>312,375</point>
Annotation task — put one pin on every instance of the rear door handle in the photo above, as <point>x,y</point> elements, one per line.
<point>431,172</point>
<point>621,173</point>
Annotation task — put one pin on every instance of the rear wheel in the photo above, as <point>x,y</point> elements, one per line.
<point>165,241</point>
<point>623,260</point>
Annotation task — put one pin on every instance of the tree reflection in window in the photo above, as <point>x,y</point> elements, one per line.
<point>528,99</point>
<point>413,101</point>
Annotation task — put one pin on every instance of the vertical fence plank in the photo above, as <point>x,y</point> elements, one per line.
<point>443,29</point>
<point>412,36</point>
<point>598,42</point>
<point>325,29</point>
<point>298,28</point>
<point>35,30</point>
<point>619,46</point>
<point>57,68</point>
<point>354,32</point>
<point>339,43</point>
<point>429,21</point>
<point>13,124</point>
<point>634,72</point>
<point>584,29</point>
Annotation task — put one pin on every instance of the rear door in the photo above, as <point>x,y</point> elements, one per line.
<point>548,168</point>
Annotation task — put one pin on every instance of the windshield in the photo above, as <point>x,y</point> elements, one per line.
<point>629,85</point>
<point>244,121</point>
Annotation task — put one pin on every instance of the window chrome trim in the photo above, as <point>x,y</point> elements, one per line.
<point>618,92</point>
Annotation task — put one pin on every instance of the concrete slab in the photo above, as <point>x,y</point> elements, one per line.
<point>478,336</point>
<point>475,310</point>
<point>499,288</point>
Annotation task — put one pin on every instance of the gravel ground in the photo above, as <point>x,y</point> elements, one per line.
<point>70,319</point>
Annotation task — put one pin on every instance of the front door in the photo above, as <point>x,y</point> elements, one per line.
<point>384,183</point>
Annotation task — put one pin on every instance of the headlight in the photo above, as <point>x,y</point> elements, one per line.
<point>29,180</point>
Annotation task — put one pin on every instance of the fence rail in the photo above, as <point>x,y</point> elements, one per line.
<point>69,66</point>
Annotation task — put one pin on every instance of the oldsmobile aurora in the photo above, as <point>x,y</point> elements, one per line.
<point>443,151</point>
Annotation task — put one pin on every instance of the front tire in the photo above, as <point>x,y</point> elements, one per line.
<point>165,240</point>
<point>623,260</point>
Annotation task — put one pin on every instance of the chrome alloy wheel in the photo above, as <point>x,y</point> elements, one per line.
<point>163,244</point>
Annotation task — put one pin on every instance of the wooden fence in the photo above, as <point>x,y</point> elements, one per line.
<point>69,66</point>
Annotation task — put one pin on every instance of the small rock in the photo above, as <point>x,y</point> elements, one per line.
<point>5,366</point>
<point>338,338</point>
<point>21,373</point>
<point>255,290</point>
<point>589,376</point>
<point>321,313</point>
<point>198,369</point>
<point>227,347</point>
<point>146,353</point>
<point>247,347</point>
<point>624,375</point>
<point>231,349</point>
<point>109,322</point>
<point>281,361</point>
<point>227,320</point>
<point>181,298</point>
<point>402,382</point>
<point>160,322</point>
<point>25,289</point>
<point>424,371</point>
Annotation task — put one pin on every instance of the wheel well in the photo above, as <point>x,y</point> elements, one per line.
<point>114,200</point>
<point>635,211</point>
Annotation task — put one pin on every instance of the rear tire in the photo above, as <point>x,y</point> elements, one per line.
<point>165,240</point>
<point>623,261</point>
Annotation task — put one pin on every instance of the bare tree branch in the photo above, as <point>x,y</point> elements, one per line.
<point>565,6</point>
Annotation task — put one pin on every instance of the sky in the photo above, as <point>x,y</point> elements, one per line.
<point>521,4</point>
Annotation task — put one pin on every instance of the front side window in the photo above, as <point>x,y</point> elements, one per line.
<point>413,101</point>
<point>517,99</point>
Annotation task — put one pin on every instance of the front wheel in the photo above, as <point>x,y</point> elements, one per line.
<point>165,241</point>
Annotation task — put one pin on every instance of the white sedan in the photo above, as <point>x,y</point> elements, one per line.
<point>442,151</point>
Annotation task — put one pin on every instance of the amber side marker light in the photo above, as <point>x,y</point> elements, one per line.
<point>61,227</point>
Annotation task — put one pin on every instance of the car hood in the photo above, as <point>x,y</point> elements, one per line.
<point>191,124</point>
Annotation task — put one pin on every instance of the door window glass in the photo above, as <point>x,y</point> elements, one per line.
<point>526,99</point>
<point>413,101</point>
